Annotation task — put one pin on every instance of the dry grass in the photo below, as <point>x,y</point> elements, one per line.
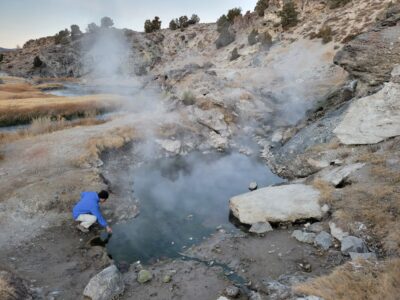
<point>113,139</point>
<point>24,110</point>
<point>333,144</point>
<point>6,291</point>
<point>49,86</point>
<point>357,281</point>
<point>11,288</point>
<point>372,158</point>
<point>375,201</point>
<point>46,125</point>
<point>21,90</point>
<point>326,190</point>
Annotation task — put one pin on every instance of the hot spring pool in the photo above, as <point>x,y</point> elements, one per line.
<point>182,201</point>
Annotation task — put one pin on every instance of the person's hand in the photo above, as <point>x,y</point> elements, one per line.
<point>108,229</point>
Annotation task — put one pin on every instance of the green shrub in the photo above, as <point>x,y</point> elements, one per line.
<point>151,26</point>
<point>233,13</point>
<point>194,19</point>
<point>261,6</point>
<point>265,39</point>
<point>75,32</point>
<point>252,38</point>
<point>92,28</point>
<point>148,26</point>
<point>222,23</point>
<point>188,98</point>
<point>1,57</point>
<point>183,22</point>
<point>156,23</point>
<point>337,3</point>
<point>234,54</point>
<point>288,15</point>
<point>326,34</point>
<point>62,37</point>
<point>37,62</point>
<point>173,25</point>
<point>106,22</point>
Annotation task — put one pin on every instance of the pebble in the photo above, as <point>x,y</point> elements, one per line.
<point>232,291</point>
<point>144,276</point>
<point>253,186</point>
<point>167,278</point>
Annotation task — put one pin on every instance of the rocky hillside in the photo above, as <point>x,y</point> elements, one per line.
<point>319,98</point>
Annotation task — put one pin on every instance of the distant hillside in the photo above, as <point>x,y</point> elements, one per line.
<point>5,50</point>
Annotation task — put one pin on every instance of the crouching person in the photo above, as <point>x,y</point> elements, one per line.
<point>87,211</point>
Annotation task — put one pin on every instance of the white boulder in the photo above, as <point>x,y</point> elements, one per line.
<point>277,204</point>
<point>372,119</point>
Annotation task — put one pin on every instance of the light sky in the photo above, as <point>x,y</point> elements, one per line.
<point>21,20</point>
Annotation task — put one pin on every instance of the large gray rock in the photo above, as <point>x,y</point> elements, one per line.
<point>372,119</point>
<point>106,285</point>
<point>338,175</point>
<point>323,240</point>
<point>277,204</point>
<point>353,244</point>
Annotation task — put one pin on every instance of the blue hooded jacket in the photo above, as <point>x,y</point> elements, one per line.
<point>89,204</point>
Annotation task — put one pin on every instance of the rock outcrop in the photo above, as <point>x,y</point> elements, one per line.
<point>371,55</point>
<point>277,204</point>
<point>372,119</point>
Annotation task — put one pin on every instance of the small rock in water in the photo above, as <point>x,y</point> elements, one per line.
<point>353,244</point>
<point>222,298</point>
<point>253,186</point>
<point>323,240</point>
<point>260,227</point>
<point>144,276</point>
<point>304,237</point>
<point>232,291</point>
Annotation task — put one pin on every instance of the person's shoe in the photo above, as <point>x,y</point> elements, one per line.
<point>81,228</point>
